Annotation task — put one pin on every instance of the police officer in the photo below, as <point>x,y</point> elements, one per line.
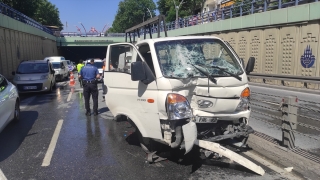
<point>89,73</point>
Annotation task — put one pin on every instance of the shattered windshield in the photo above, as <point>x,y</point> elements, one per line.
<point>178,57</point>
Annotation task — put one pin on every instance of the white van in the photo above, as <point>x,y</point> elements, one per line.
<point>98,63</point>
<point>178,90</point>
<point>60,66</point>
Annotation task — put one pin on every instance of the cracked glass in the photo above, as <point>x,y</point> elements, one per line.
<point>177,58</point>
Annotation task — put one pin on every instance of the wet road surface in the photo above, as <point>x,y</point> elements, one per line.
<point>94,147</point>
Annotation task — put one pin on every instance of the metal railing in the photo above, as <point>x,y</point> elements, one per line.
<point>242,9</point>
<point>293,123</point>
<point>10,12</point>
<point>284,78</point>
<point>289,114</point>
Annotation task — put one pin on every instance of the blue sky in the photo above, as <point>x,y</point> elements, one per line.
<point>91,13</point>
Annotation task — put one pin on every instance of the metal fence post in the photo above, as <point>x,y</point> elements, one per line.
<point>290,120</point>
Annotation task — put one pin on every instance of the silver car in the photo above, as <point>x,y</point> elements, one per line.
<point>34,76</point>
<point>9,103</point>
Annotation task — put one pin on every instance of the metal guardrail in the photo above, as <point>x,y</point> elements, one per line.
<point>9,11</point>
<point>305,79</point>
<point>288,115</point>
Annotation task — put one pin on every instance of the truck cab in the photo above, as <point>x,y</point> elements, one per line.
<point>177,90</point>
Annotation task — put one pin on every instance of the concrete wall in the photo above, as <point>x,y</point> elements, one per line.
<point>279,50</point>
<point>277,39</point>
<point>19,41</point>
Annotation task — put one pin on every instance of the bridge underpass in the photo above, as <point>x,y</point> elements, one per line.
<point>76,47</point>
<point>75,53</point>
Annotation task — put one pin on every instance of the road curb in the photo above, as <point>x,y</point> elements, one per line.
<point>307,168</point>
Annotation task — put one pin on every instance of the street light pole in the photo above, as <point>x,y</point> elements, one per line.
<point>149,12</point>
<point>177,9</point>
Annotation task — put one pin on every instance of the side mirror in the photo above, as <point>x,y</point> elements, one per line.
<point>250,65</point>
<point>13,73</point>
<point>141,72</point>
<point>53,71</point>
<point>138,72</point>
<point>242,62</point>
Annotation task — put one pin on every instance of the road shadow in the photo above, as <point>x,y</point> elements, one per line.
<point>14,134</point>
<point>103,110</point>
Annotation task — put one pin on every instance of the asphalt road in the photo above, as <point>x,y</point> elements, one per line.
<point>266,101</point>
<point>55,140</point>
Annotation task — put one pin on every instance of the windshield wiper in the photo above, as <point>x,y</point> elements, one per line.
<point>231,74</point>
<point>225,70</point>
<point>205,73</point>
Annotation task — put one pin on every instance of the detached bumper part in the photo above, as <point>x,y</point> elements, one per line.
<point>190,136</point>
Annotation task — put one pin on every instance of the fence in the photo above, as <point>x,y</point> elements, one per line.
<point>9,11</point>
<point>236,10</point>
<point>290,114</point>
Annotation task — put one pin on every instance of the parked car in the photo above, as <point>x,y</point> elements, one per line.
<point>9,102</point>
<point>34,76</point>
<point>61,69</point>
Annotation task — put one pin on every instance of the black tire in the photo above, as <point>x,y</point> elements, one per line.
<point>16,117</point>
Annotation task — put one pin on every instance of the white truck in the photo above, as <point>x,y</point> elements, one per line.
<point>181,91</point>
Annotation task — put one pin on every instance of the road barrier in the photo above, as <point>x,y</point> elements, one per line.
<point>288,115</point>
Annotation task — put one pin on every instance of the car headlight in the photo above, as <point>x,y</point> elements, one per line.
<point>44,77</point>
<point>17,78</point>
<point>244,100</point>
<point>178,107</point>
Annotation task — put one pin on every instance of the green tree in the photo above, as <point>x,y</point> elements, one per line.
<point>131,13</point>
<point>187,8</point>
<point>42,11</point>
<point>27,7</point>
<point>48,14</point>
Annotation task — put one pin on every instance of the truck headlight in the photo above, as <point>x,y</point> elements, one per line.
<point>178,107</point>
<point>244,100</point>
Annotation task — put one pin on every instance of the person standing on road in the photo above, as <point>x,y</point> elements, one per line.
<point>89,74</point>
<point>79,67</point>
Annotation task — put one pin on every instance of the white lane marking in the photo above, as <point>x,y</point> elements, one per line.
<point>273,167</point>
<point>24,103</point>
<point>52,146</point>
<point>69,96</point>
<point>2,176</point>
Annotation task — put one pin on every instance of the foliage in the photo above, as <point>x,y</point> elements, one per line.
<point>40,10</point>
<point>245,7</point>
<point>187,8</point>
<point>131,13</point>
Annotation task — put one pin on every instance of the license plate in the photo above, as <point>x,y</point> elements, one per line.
<point>30,87</point>
<point>206,119</point>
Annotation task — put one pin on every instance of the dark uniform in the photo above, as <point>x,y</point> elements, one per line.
<point>88,74</point>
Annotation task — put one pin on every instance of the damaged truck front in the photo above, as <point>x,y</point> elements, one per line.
<point>181,91</point>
